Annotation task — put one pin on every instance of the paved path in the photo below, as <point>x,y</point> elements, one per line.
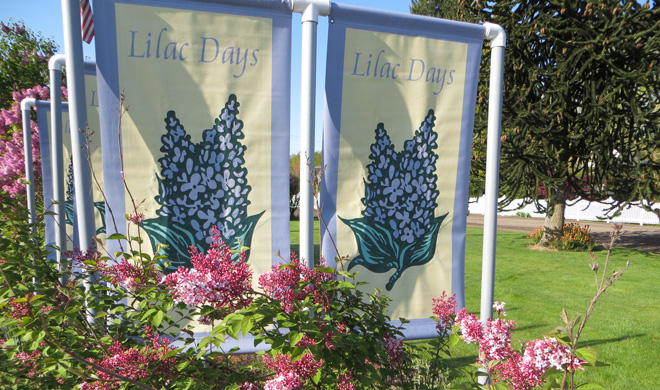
<point>646,238</point>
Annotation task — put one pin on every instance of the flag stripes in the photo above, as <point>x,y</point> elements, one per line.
<point>86,21</point>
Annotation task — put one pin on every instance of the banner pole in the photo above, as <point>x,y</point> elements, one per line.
<point>497,37</point>
<point>57,168</point>
<point>82,176</point>
<point>26,107</point>
<point>310,9</point>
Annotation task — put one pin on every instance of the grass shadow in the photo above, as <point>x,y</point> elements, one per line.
<point>591,343</point>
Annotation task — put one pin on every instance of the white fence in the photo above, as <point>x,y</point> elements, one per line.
<point>580,211</point>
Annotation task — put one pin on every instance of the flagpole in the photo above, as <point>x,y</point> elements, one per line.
<point>310,10</point>
<point>75,75</point>
<point>497,37</point>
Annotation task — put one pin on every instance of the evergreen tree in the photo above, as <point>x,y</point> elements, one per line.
<point>581,108</point>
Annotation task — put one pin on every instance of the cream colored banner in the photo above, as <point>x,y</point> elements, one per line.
<point>196,133</point>
<point>387,224</point>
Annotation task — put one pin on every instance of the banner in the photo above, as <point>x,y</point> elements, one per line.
<point>204,138</point>
<point>400,102</point>
<point>94,147</point>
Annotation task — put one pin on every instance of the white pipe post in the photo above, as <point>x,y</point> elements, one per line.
<point>26,107</point>
<point>82,176</point>
<point>497,37</point>
<point>310,9</point>
<point>56,155</point>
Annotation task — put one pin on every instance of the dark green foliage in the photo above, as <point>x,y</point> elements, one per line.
<point>581,116</point>
<point>23,59</point>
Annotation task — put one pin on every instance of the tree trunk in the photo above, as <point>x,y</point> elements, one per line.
<point>554,218</point>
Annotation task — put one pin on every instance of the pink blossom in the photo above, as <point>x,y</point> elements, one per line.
<point>395,352</point>
<point>284,281</point>
<point>12,157</point>
<point>28,361</point>
<point>290,375</point>
<point>499,308</point>
<point>136,218</point>
<point>444,308</point>
<point>526,371</point>
<point>345,380</point>
<point>495,342</point>
<point>129,273</point>
<point>135,362</point>
<point>215,279</point>
<point>471,330</point>
<point>19,310</point>
<point>79,258</point>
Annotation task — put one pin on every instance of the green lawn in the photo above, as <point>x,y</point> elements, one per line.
<point>295,237</point>
<point>624,328</point>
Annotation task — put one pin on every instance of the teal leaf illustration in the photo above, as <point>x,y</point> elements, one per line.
<point>399,228</point>
<point>68,210</point>
<point>379,252</point>
<point>100,206</point>
<point>243,237</point>
<point>177,239</point>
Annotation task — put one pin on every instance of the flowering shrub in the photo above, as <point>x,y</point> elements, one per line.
<point>12,156</point>
<point>399,227</point>
<point>318,330</point>
<point>497,358</point>
<point>571,237</point>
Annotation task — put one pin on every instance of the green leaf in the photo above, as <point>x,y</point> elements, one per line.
<point>233,329</point>
<point>157,319</point>
<point>247,324</point>
<point>317,377</point>
<point>453,339</point>
<point>116,236</point>
<point>183,365</point>
<point>297,354</point>
<point>587,354</point>
<point>295,337</point>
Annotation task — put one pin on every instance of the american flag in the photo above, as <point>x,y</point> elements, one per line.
<point>86,21</point>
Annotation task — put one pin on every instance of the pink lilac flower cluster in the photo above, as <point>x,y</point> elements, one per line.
<point>444,308</point>
<point>493,337</point>
<point>129,274</point>
<point>525,371</point>
<point>395,352</point>
<point>28,361</point>
<point>470,326</point>
<point>135,363</point>
<point>290,375</point>
<point>345,380</point>
<point>283,282</point>
<point>19,310</point>
<point>136,218</point>
<point>12,156</point>
<point>80,259</point>
<point>214,280</point>
<point>499,308</point>
<point>495,343</point>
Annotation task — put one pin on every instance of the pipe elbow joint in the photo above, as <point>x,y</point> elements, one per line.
<point>495,34</point>
<point>56,62</point>
<point>28,103</point>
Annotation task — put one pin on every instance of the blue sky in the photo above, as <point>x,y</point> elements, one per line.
<point>45,16</point>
